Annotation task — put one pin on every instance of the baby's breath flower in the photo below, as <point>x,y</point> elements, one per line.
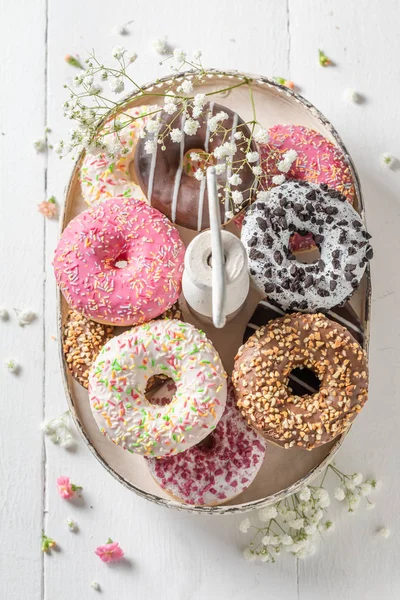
<point>365,489</point>
<point>199,174</point>
<point>220,168</point>
<point>237,198</point>
<point>267,513</point>
<point>296,523</point>
<point>191,126</point>
<point>159,46</point>
<point>131,58</point>
<point>95,585</point>
<point>370,506</point>
<point>262,196</point>
<point>305,494</point>
<point>238,135</point>
<point>216,119</point>
<point>117,85</point>
<point>199,100</point>
<point>286,539</point>
<point>351,96</point>
<point>197,55</point>
<point>186,87</point>
<point>340,494</point>
<point>229,214</point>
<point>118,52</point>
<point>195,157</point>
<point>12,365</point>
<point>170,108</point>
<point>278,179</point>
<point>47,543</point>
<point>261,136</point>
<point>384,532</point>
<point>72,525</point>
<point>357,478</point>
<point>244,525</point>
<point>257,170</point>
<point>153,126</point>
<point>120,30</point>
<point>252,157</point>
<point>179,55</point>
<point>25,317</point>
<point>150,146</point>
<point>226,149</point>
<point>176,135</point>
<point>3,314</point>
<point>234,179</point>
<point>40,145</point>
<point>353,500</point>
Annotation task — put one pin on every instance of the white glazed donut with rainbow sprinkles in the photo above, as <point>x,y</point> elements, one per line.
<point>117,385</point>
<point>103,177</point>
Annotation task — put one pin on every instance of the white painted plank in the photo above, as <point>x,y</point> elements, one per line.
<point>355,564</point>
<point>22,51</point>
<point>171,555</point>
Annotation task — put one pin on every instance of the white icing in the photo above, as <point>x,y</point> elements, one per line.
<point>229,168</point>
<point>117,384</point>
<point>203,181</point>
<point>178,174</point>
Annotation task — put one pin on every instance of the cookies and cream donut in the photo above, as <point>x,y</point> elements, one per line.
<point>118,380</point>
<point>219,468</point>
<point>317,160</point>
<point>103,177</point>
<point>337,229</point>
<point>82,342</point>
<point>262,368</point>
<point>120,262</point>
<point>172,188</point>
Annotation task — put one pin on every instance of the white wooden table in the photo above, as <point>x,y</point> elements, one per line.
<point>173,555</point>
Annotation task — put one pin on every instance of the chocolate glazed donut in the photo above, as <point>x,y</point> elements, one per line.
<point>176,193</point>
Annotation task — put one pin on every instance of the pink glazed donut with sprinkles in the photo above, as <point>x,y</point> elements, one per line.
<point>120,262</point>
<point>219,468</point>
<point>118,380</point>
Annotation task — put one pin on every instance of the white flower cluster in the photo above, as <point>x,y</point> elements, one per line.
<point>58,431</point>
<point>353,489</point>
<point>293,524</point>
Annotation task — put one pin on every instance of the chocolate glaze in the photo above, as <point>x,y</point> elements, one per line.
<point>178,195</point>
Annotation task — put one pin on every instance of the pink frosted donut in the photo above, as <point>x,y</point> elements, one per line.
<point>219,468</point>
<point>318,160</point>
<point>120,262</point>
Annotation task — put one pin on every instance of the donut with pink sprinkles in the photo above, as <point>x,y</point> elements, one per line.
<point>219,468</point>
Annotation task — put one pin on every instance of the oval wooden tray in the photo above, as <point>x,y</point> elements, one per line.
<point>283,471</point>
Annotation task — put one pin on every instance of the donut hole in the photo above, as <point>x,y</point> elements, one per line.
<point>303,245</point>
<point>207,444</point>
<point>190,165</point>
<point>304,381</point>
<point>160,389</point>
<point>121,261</point>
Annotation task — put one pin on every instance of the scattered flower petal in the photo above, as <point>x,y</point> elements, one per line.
<point>25,317</point>
<point>95,585</point>
<point>160,46</point>
<point>110,552</point>
<point>351,96</point>
<point>66,489</point>
<point>388,160</point>
<point>47,543</point>
<point>12,365</point>
<point>4,314</point>
<point>324,61</point>
<point>244,525</point>
<point>40,145</point>
<point>286,82</point>
<point>384,532</point>
<point>48,208</point>
<point>120,30</point>
<point>74,61</point>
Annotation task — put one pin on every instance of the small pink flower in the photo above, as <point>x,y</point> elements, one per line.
<point>48,208</point>
<point>110,552</point>
<point>66,489</point>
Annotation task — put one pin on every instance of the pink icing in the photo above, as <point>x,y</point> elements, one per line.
<point>318,161</point>
<point>140,288</point>
<point>214,472</point>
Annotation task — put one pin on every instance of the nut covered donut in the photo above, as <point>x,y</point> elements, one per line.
<point>176,192</point>
<point>118,379</point>
<point>337,230</point>
<point>264,363</point>
<point>218,469</point>
<point>120,262</point>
